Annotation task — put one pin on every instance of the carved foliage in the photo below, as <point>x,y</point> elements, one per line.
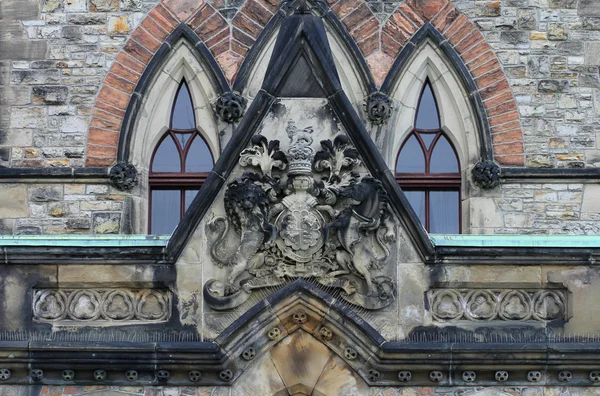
<point>101,305</point>
<point>263,154</point>
<point>505,305</point>
<point>486,175</point>
<point>379,108</point>
<point>123,176</point>
<point>230,107</point>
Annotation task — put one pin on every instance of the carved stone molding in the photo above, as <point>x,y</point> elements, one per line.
<point>101,305</point>
<point>486,175</point>
<point>230,107</point>
<point>123,176</point>
<point>498,304</point>
<point>379,108</point>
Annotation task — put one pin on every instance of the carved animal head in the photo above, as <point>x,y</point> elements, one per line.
<point>243,199</point>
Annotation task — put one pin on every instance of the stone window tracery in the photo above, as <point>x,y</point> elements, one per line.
<point>180,164</point>
<point>428,170</point>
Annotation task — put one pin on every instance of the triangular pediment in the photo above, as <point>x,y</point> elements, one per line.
<point>301,191</point>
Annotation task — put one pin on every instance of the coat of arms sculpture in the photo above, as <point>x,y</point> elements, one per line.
<point>305,214</point>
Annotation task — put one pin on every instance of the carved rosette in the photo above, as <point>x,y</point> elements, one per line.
<point>101,305</point>
<point>303,214</point>
<point>230,107</point>
<point>486,175</point>
<point>379,108</point>
<point>123,176</point>
<point>504,305</point>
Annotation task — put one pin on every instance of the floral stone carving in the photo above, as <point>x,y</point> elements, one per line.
<point>302,214</point>
<point>123,176</point>
<point>486,175</point>
<point>230,107</point>
<point>379,108</point>
<point>101,305</point>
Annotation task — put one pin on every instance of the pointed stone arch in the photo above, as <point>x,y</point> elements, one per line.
<point>475,63</point>
<point>128,78</point>
<point>294,321</point>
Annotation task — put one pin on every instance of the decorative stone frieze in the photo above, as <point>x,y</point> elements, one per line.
<point>101,305</point>
<point>230,107</point>
<point>498,304</point>
<point>123,176</point>
<point>378,107</point>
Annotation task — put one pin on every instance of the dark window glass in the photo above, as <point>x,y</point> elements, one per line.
<point>183,138</point>
<point>427,139</point>
<point>411,157</point>
<point>427,113</point>
<point>443,212</point>
<point>166,209</point>
<point>199,158</point>
<point>189,197</point>
<point>443,159</point>
<point>429,172</point>
<point>183,111</point>
<point>167,157</point>
<point>417,201</point>
<point>179,166</point>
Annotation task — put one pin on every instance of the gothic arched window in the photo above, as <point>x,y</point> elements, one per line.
<point>179,166</point>
<point>428,170</point>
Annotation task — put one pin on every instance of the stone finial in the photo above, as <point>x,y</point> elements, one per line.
<point>230,107</point>
<point>379,108</point>
<point>290,7</point>
<point>123,176</point>
<point>486,175</point>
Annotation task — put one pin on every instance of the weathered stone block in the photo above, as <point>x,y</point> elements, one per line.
<point>540,161</point>
<point>514,37</point>
<point>589,8</point>
<point>72,33</point>
<point>87,19</point>
<point>527,19</point>
<point>50,94</point>
<point>35,76</point>
<point>50,5</point>
<point>80,223</point>
<point>107,223</point>
<point>119,25</point>
<point>558,31</point>
<point>45,193</point>
<point>553,86</point>
<point>563,3</point>
<point>104,5</point>
<point>75,5</point>
<point>131,5</point>
<point>28,117</point>
<point>13,201</point>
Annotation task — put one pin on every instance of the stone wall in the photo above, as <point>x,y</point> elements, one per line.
<point>34,209</point>
<point>49,90</point>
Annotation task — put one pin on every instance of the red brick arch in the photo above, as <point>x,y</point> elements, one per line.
<point>478,56</point>
<point>229,44</point>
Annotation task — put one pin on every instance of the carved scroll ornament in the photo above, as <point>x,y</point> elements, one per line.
<point>302,214</point>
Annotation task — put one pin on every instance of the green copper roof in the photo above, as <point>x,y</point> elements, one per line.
<point>547,241</point>
<point>538,241</point>
<point>85,240</point>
